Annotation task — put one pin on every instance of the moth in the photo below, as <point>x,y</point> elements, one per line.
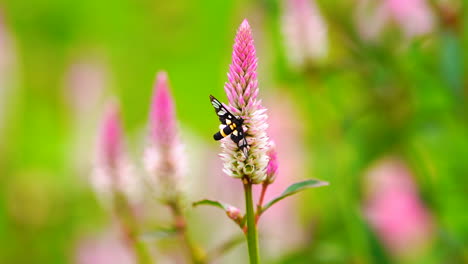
<point>230,125</point>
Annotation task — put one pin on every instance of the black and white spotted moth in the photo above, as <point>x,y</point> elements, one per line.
<point>230,125</point>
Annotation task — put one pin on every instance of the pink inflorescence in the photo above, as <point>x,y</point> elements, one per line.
<point>111,138</point>
<point>272,167</point>
<point>113,172</point>
<point>162,116</point>
<point>242,91</point>
<point>414,16</point>
<point>305,32</point>
<point>164,157</point>
<point>395,210</point>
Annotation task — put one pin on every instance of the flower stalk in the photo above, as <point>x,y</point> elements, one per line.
<point>128,226</point>
<point>257,162</point>
<point>242,90</point>
<point>114,183</point>
<point>193,252</point>
<point>252,237</point>
<point>164,161</point>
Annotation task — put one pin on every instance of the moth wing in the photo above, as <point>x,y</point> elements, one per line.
<point>221,111</point>
<point>238,137</point>
<point>243,146</point>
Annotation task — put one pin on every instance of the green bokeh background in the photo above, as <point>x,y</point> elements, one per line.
<point>402,97</point>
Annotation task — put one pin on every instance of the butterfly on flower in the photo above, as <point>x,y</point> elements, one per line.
<point>230,125</point>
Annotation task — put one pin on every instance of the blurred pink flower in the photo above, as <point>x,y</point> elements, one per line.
<point>162,116</point>
<point>7,70</point>
<point>84,84</point>
<point>414,17</point>
<point>305,32</point>
<point>112,171</point>
<point>104,249</point>
<point>242,91</point>
<point>164,157</point>
<point>111,138</point>
<point>86,81</point>
<point>395,210</point>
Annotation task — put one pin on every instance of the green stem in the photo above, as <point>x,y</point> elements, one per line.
<point>142,253</point>
<point>252,239</point>
<point>194,253</point>
<point>129,228</point>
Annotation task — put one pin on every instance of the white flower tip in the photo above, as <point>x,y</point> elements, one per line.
<point>244,25</point>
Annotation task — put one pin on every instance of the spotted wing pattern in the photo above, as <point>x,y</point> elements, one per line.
<point>239,138</point>
<point>230,125</point>
<point>221,111</point>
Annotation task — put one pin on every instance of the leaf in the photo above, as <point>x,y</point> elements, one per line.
<point>219,204</point>
<point>232,212</point>
<point>294,188</point>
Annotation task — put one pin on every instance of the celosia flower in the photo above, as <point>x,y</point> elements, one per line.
<point>7,69</point>
<point>272,167</point>
<point>164,158</point>
<point>305,32</point>
<point>414,17</point>
<point>162,116</point>
<point>242,91</point>
<point>113,171</point>
<point>86,80</point>
<point>395,210</point>
<point>111,138</point>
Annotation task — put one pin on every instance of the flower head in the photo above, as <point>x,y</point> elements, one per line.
<point>164,157</point>
<point>113,172</point>
<point>162,116</point>
<point>242,91</point>
<point>414,17</point>
<point>395,210</point>
<point>305,32</point>
<point>111,138</point>
<point>86,82</point>
<point>272,167</point>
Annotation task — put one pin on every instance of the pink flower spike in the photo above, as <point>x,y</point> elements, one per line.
<point>414,16</point>
<point>272,167</point>
<point>110,149</point>
<point>164,157</point>
<point>305,32</point>
<point>242,91</point>
<point>394,209</point>
<point>162,115</point>
<point>112,171</point>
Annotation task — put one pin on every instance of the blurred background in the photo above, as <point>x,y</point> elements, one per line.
<point>369,95</point>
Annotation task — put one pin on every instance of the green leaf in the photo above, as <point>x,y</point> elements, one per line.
<point>292,189</point>
<point>232,212</point>
<point>219,204</point>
